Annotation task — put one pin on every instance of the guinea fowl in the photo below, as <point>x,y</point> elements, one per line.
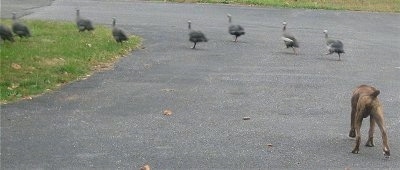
<point>235,30</point>
<point>195,36</point>
<point>5,33</point>
<point>118,34</point>
<point>83,24</point>
<point>289,39</point>
<point>334,46</point>
<point>18,28</point>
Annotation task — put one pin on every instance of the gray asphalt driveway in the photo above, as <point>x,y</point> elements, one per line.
<point>299,105</point>
<point>21,7</point>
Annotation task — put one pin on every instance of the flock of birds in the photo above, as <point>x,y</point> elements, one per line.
<point>21,30</point>
<point>334,46</point>
<point>83,24</point>
<point>18,28</point>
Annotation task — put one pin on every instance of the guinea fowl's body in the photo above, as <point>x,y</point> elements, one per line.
<point>235,30</point>
<point>118,34</point>
<point>83,24</point>
<point>6,34</point>
<point>18,28</point>
<point>334,46</point>
<point>289,39</point>
<point>195,36</point>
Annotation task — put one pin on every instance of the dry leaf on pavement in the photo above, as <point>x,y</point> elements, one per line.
<point>145,167</point>
<point>167,112</point>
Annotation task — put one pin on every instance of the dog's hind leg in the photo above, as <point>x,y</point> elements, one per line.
<point>378,116</point>
<point>354,100</point>
<point>370,142</point>
<point>357,127</point>
<point>352,132</point>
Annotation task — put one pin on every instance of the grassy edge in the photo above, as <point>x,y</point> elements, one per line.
<point>93,67</point>
<point>394,8</point>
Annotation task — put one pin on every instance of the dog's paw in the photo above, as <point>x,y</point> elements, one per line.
<point>352,133</point>
<point>355,151</point>
<point>386,154</point>
<point>370,143</point>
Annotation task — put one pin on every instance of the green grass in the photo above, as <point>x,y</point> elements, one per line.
<point>55,54</point>
<point>356,5</point>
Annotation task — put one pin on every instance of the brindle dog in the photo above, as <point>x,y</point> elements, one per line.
<point>364,103</point>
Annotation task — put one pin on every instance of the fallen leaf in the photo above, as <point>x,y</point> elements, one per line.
<point>14,86</point>
<point>167,112</point>
<point>145,167</point>
<point>168,90</point>
<point>28,98</point>
<point>147,66</point>
<point>246,118</point>
<point>15,66</point>
<point>269,145</point>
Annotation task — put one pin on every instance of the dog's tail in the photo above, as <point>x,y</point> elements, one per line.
<point>375,93</point>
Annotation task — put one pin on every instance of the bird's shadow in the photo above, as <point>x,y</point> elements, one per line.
<point>235,42</point>
<point>290,53</point>
<point>329,59</point>
<point>195,49</point>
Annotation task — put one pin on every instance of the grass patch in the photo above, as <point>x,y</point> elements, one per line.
<point>355,5</point>
<point>55,54</point>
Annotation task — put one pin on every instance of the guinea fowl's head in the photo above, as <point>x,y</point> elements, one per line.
<point>284,25</point>
<point>326,34</point>
<point>77,13</point>
<point>14,16</point>
<point>230,17</point>
<point>114,20</point>
<point>189,24</point>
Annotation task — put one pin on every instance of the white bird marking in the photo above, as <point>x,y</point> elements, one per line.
<point>286,39</point>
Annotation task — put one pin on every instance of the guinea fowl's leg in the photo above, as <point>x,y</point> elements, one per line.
<point>294,50</point>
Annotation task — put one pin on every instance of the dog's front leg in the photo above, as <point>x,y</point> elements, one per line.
<point>370,142</point>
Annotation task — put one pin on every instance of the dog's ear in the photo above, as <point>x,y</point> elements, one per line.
<point>375,93</point>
